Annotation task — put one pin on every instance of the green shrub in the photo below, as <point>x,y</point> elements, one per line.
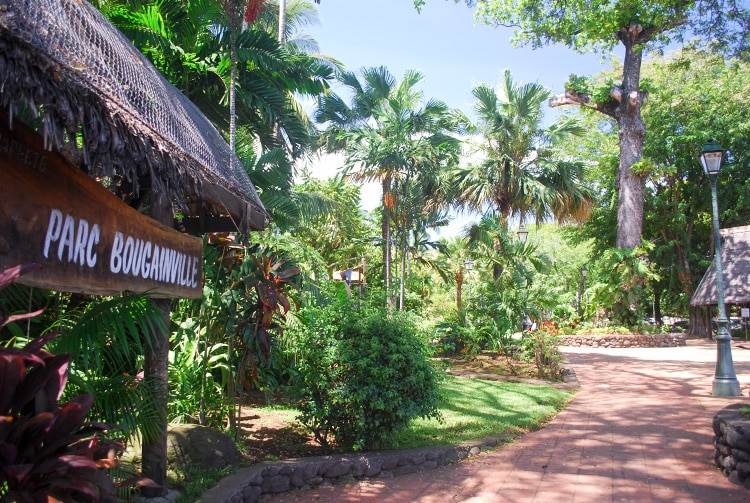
<point>365,374</point>
<point>541,349</point>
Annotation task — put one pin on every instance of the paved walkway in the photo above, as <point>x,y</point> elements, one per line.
<point>639,430</point>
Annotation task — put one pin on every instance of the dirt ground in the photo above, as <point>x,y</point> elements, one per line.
<point>270,435</point>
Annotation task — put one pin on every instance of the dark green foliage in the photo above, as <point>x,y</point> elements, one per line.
<point>365,374</point>
<point>108,338</point>
<point>197,371</point>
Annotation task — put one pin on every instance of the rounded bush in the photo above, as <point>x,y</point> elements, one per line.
<point>366,374</point>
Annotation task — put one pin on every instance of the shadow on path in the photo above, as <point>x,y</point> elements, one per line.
<point>639,430</point>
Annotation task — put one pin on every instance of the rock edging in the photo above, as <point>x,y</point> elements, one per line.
<point>249,485</point>
<point>624,340</point>
<point>732,444</point>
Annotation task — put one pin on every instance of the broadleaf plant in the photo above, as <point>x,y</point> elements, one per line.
<point>47,450</point>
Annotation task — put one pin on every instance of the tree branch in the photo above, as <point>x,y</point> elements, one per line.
<point>649,33</point>
<point>571,97</point>
<point>616,93</point>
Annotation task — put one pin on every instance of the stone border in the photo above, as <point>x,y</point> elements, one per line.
<point>624,340</point>
<point>732,444</point>
<point>249,485</point>
<point>252,484</point>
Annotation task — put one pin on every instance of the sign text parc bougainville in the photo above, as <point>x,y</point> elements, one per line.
<point>86,239</point>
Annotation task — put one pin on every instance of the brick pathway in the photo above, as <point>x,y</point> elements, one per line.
<point>639,430</point>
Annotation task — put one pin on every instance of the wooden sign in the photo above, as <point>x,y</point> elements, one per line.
<point>86,239</point>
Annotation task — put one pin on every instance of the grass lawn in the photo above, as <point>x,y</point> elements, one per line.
<point>474,408</point>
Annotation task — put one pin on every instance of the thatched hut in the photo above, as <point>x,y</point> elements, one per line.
<point>91,102</point>
<point>95,98</point>
<point>735,261</point>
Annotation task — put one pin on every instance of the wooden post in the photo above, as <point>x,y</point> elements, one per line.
<point>155,370</point>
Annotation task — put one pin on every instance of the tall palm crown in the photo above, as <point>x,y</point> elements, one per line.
<point>522,172</point>
<point>389,134</point>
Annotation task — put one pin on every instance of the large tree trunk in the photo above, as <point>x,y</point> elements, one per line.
<point>624,106</point>
<point>155,374</point>
<point>700,322</point>
<point>632,132</point>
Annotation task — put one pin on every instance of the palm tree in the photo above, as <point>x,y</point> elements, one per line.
<point>288,19</point>
<point>514,265</point>
<point>522,172</point>
<point>192,44</point>
<point>388,135</point>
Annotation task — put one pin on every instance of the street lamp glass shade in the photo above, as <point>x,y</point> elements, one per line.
<point>523,233</point>
<point>711,156</point>
<point>469,264</point>
<point>584,271</point>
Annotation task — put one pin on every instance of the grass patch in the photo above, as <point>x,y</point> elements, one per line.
<point>474,408</point>
<point>193,482</point>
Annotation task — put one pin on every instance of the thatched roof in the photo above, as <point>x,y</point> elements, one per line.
<point>735,264</point>
<point>99,101</point>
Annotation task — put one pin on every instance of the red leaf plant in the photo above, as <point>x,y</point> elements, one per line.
<point>272,280</point>
<point>47,452</point>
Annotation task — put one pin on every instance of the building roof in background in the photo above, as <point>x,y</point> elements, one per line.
<point>735,262</point>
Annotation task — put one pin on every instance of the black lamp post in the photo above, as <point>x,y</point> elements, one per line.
<point>523,233</point>
<point>469,264</point>
<point>725,381</point>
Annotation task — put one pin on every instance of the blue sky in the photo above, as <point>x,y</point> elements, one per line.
<point>445,43</point>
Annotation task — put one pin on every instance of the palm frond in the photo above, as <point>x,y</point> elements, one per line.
<point>114,330</point>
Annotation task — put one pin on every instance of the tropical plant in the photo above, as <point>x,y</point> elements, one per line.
<point>272,279</point>
<point>198,374</point>
<point>47,451</point>
<point>365,375</point>
<point>624,276</point>
<point>523,171</point>
<point>107,338</point>
<point>341,235</point>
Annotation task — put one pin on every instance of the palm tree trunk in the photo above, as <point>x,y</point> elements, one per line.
<point>232,389</point>
<point>386,235</point>
<point>402,286</point>
<point>232,86</point>
<point>282,22</point>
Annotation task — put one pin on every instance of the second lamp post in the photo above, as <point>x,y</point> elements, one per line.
<point>725,381</point>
